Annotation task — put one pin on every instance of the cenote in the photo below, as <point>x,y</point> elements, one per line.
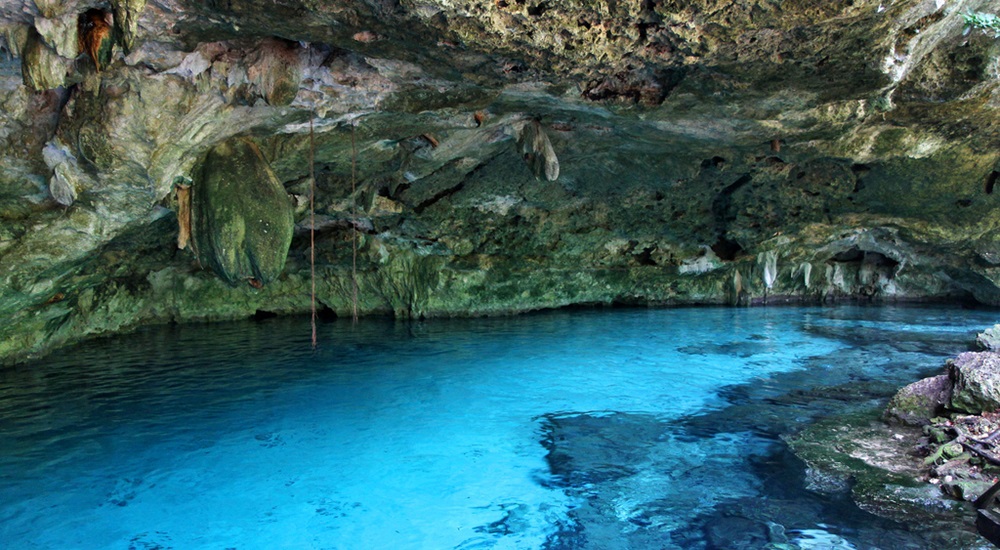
<point>630,428</point>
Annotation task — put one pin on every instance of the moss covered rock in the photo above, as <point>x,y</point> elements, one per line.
<point>242,216</point>
<point>920,401</point>
<point>976,379</point>
<point>41,67</point>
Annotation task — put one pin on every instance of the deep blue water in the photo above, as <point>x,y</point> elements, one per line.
<point>572,429</point>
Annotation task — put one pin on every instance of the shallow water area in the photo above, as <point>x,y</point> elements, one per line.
<point>569,429</point>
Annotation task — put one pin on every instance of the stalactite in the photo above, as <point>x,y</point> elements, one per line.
<point>127,14</point>
<point>737,287</point>
<point>183,215</point>
<point>769,261</point>
<point>537,151</point>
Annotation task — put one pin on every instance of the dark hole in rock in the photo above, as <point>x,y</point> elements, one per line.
<point>726,249</point>
<point>880,259</point>
<point>714,161</point>
<point>261,315</point>
<point>857,255</point>
<point>325,313</point>
<point>645,257</point>
<point>852,255</point>
<point>990,181</point>
<point>859,168</point>
<point>538,9</point>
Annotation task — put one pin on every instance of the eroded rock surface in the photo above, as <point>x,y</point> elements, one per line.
<point>242,216</point>
<point>669,145</point>
<point>975,382</point>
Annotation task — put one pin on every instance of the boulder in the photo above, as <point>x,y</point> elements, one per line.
<point>242,215</point>
<point>920,401</point>
<point>989,339</point>
<point>975,377</point>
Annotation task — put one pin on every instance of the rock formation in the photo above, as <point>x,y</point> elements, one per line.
<point>671,144</point>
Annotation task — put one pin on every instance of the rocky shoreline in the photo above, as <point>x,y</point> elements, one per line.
<point>927,457</point>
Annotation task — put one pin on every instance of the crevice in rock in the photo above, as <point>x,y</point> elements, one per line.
<point>444,193</point>
<point>645,256</point>
<point>991,180</point>
<point>714,162</point>
<point>723,215</point>
<point>859,171</point>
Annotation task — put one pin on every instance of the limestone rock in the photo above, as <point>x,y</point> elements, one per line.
<point>989,339</point>
<point>63,183</point>
<point>127,21</point>
<point>538,152</point>
<point>242,216</point>
<point>59,33</point>
<point>976,380</point>
<point>41,67</point>
<point>50,8</point>
<point>920,401</point>
<point>276,71</point>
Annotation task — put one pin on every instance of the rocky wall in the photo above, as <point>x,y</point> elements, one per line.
<point>492,157</point>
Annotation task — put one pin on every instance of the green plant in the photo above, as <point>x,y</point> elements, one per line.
<point>985,22</point>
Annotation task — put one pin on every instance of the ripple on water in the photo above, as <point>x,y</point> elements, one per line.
<point>584,429</point>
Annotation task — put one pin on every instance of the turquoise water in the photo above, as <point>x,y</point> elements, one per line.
<point>570,429</point>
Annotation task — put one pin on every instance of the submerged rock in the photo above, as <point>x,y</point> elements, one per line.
<point>902,473</point>
<point>242,216</point>
<point>857,453</point>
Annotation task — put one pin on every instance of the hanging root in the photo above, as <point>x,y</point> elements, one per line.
<point>354,230</point>
<point>312,225</point>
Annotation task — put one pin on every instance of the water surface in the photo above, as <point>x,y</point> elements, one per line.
<point>572,429</point>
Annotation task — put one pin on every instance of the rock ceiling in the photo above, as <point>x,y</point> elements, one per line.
<point>488,156</point>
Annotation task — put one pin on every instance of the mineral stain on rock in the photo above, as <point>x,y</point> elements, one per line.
<point>242,216</point>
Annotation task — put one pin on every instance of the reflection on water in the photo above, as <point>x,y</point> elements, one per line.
<point>583,429</point>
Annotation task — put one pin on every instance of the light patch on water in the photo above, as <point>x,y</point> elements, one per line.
<point>818,539</point>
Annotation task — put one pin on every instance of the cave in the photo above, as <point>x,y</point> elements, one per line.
<point>574,245</point>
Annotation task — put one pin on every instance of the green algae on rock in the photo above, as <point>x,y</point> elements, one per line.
<point>242,216</point>
<point>856,144</point>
